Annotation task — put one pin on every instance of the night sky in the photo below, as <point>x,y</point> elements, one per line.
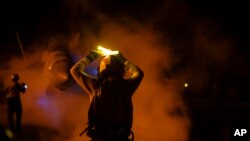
<point>231,17</point>
<point>36,20</point>
<point>28,17</point>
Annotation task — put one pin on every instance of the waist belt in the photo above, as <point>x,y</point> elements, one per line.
<point>94,132</point>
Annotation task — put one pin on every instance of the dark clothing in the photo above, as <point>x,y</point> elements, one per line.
<point>14,105</point>
<point>110,113</point>
<point>112,105</point>
<point>106,133</point>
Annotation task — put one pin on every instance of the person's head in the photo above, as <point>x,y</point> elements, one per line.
<point>15,77</point>
<point>111,66</point>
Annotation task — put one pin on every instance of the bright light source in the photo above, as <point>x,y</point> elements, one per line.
<point>186,85</point>
<point>107,51</point>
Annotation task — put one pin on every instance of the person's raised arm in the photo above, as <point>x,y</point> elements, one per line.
<point>136,74</point>
<point>84,80</point>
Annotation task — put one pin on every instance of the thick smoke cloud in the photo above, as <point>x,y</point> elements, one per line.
<point>54,117</point>
<point>159,41</point>
<point>159,112</point>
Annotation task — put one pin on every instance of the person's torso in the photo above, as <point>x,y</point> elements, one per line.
<point>112,105</point>
<point>14,91</point>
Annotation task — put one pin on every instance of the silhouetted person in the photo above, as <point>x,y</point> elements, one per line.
<point>14,102</point>
<point>110,113</point>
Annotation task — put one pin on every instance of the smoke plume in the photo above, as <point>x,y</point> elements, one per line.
<point>159,110</point>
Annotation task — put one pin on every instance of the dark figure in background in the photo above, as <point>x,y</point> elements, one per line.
<point>14,102</point>
<point>111,111</point>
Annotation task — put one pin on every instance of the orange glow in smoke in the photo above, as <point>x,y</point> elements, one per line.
<point>154,101</point>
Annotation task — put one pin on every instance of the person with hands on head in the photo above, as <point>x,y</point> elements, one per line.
<point>110,114</point>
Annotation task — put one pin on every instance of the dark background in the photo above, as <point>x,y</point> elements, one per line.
<point>213,120</point>
<point>38,20</point>
<point>30,17</point>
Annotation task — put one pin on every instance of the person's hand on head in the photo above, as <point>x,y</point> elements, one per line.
<point>93,55</point>
<point>120,57</point>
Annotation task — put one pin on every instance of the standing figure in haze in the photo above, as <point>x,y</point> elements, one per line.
<point>110,113</point>
<point>14,102</point>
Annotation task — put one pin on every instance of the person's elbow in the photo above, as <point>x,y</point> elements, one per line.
<point>74,71</point>
<point>141,74</point>
<point>138,75</point>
